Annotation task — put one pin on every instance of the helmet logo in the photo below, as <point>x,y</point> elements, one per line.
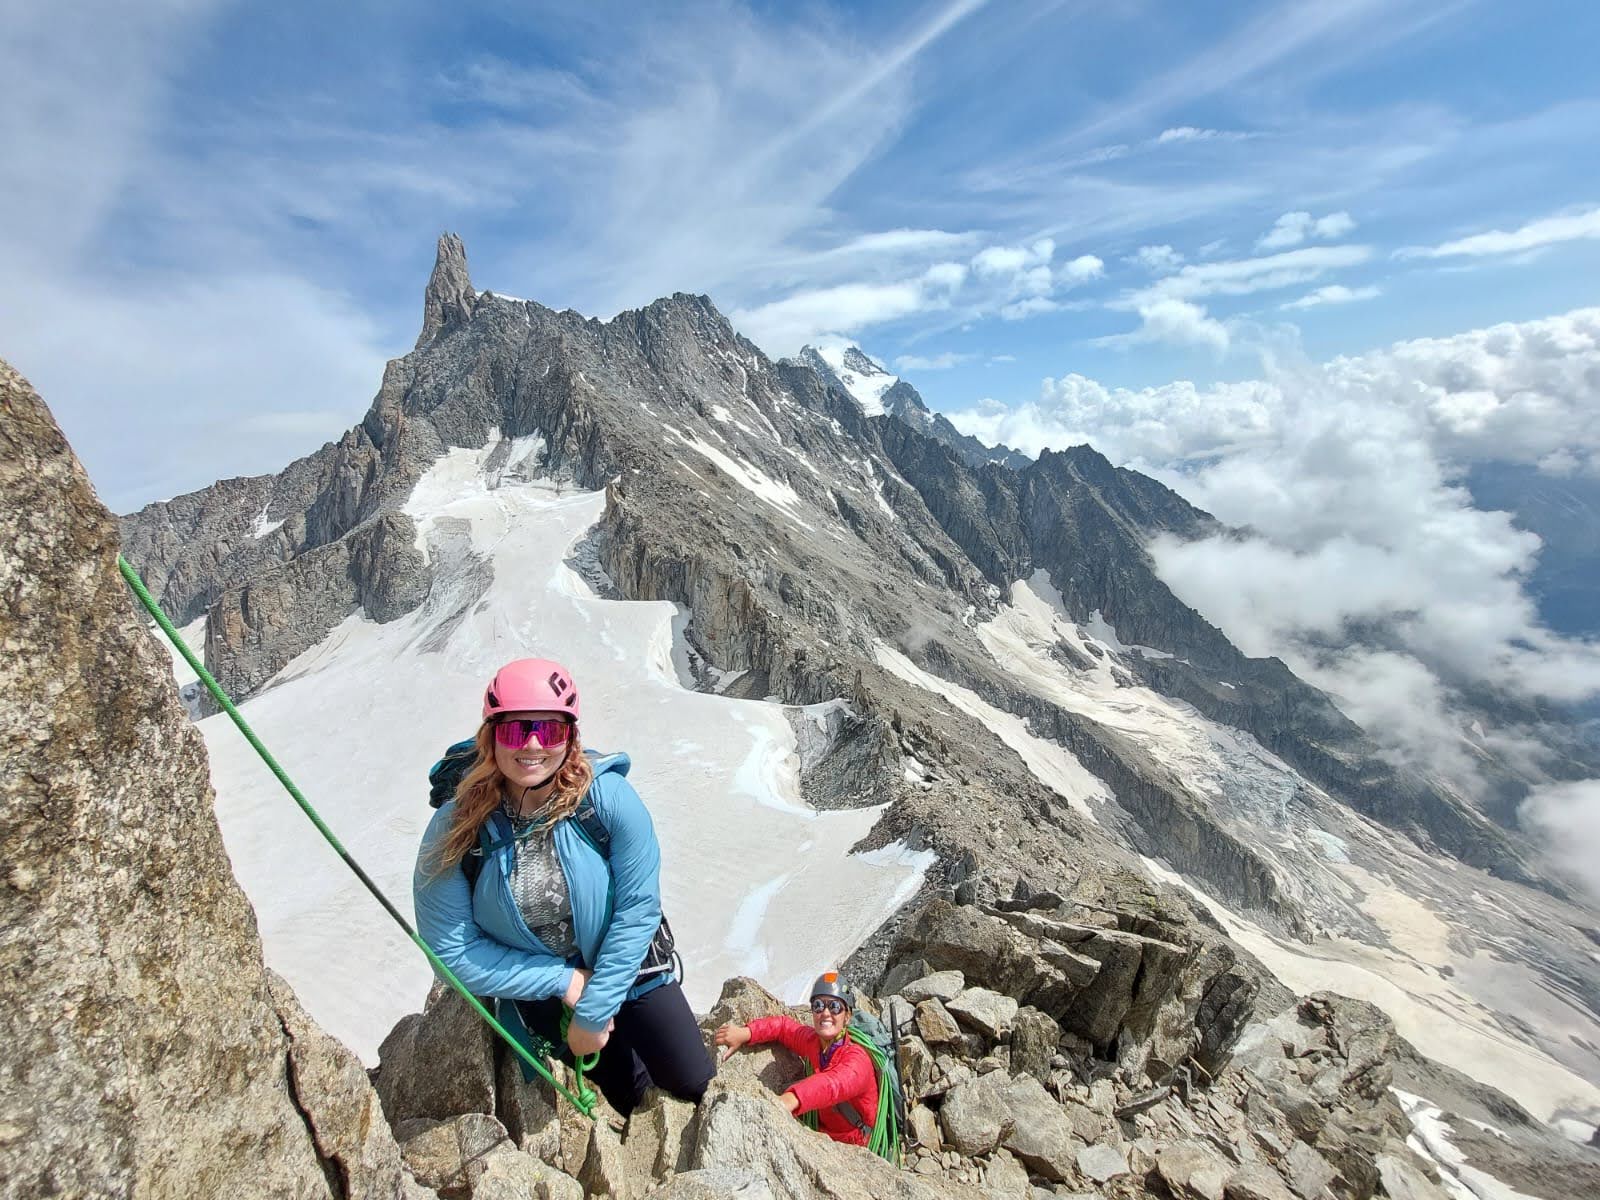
<point>559,685</point>
<point>830,977</point>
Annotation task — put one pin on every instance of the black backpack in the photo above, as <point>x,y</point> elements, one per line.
<point>446,775</point>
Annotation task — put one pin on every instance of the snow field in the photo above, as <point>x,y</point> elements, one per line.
<point>752,879</point>
<point>1055,767</point>
<point>763,487</point>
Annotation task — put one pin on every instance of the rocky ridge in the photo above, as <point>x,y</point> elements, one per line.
<point>1008,1095</point>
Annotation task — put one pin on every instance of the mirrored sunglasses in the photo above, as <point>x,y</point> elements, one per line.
<point>824,1004</point>
<point>549,732</point>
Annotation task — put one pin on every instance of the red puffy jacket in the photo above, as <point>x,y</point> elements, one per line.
<point>848,1075</point>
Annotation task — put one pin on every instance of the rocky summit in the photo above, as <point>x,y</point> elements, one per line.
<point>1140,843</point>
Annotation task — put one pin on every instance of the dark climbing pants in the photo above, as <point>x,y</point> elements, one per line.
<point>655,1042</point>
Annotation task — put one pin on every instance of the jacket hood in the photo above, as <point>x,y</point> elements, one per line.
<point>602,764</point>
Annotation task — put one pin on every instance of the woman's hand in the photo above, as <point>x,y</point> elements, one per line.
<point>732,1036</point>
<point>791,1102</point>
<point>582,1042</point>
<point>579,981</point>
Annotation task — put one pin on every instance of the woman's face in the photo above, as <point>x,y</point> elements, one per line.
<point>829,1025</point>
<point>533,765</point>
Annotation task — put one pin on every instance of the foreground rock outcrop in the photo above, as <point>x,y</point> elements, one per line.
<point>141,1052</point>
<point>1004,1104</point>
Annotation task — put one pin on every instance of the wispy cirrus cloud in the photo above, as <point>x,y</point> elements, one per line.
<point>1244,276</point>
<point>1169,311</point>
<point>1535,235</point>
<point>1013,281</point>
<point>1334,293</point>
<point>1189,133</point>
<point>931,362</point>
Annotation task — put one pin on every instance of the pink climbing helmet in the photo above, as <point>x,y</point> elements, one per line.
<point>531,685</point>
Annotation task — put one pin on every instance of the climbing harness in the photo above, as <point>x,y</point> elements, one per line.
<point>584,1098</point>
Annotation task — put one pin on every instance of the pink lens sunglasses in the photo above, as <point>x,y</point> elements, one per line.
<point>549,732</point>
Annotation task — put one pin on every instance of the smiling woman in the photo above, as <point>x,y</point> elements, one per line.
<point>538,884</point>
<point>841,1087</point>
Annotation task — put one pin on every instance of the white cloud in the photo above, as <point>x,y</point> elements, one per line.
<point>936,362</point>
<point>1081,269</point>
<point>946,275</point>
<point>1566,818</point>
<point>1239,277</point>
<point>785,325</point>
<point>1295,227</point>
<point>1159,260</point>
<point>1001,260</point>
<point>1547,231</point>
<point>1176,322</point>
<point>1012,280</point>
<point>1345,473</point>
<point>1189,133</point>
<point>1520,392</point>
<point>1181,322</point>
<point>1334,293</point>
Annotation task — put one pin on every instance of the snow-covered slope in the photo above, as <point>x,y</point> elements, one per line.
<point>754,881</point>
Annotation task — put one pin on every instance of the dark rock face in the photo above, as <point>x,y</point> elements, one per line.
<point>142,1052</point>
<point>254,629</point>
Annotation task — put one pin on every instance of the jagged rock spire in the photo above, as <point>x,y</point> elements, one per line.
<point>449,299</point>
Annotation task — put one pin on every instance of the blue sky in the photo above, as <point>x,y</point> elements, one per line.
<point>220,217</point>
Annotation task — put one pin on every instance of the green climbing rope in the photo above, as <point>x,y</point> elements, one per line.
<point>584,1099</point>
<point>885,1139</point>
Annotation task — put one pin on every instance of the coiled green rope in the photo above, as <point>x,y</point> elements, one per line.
<point>584,1100</point>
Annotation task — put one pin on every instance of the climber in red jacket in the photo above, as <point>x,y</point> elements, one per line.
<point>842,1088</point>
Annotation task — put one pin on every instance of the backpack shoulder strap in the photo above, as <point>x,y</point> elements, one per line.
<point>591,826</point>
<point>850,1113</point>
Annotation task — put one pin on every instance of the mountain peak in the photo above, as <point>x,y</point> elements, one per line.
<point>449,299</point>
<point>856,359</point>
<point>852,369</point>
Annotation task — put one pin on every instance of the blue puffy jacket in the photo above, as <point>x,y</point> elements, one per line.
<point>616,906</point>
